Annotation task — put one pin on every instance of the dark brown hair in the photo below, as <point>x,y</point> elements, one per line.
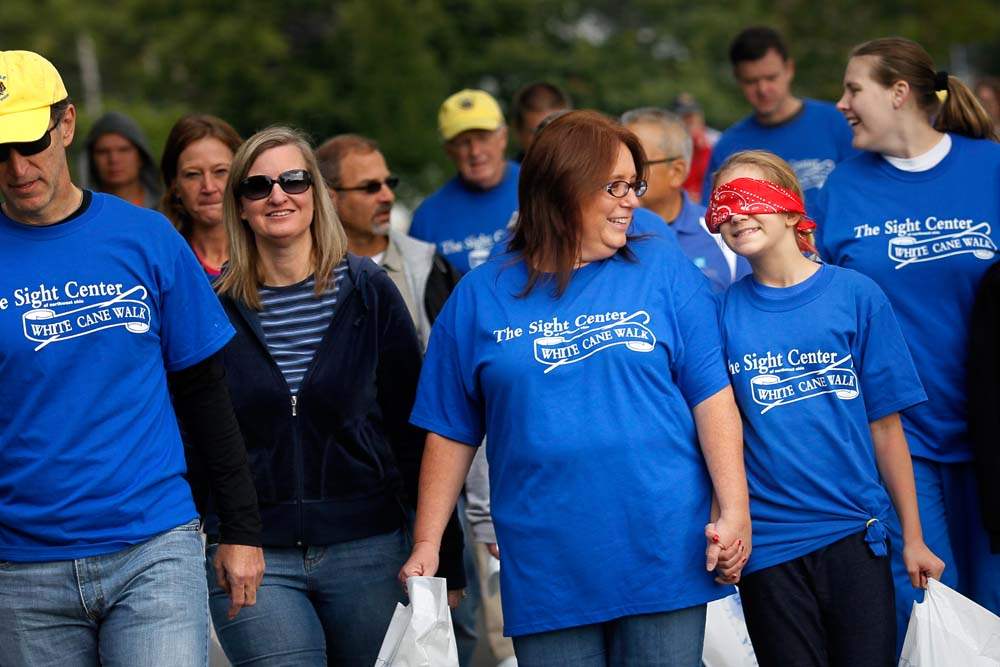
<point>568,163</point>
<point>538,96</point>
<point>900,59</point>
<point>186,131</point>
<point>334,150</point>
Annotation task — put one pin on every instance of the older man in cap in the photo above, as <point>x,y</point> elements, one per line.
<point>469,214</point>
<point>101,560</point>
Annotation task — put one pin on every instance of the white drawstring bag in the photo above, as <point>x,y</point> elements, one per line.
<point>420,634</point>
<point>949,629</point>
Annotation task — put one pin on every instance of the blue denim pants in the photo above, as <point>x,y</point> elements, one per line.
<point>145,605</point>
<point>317,606</point>
<point>667,639</point>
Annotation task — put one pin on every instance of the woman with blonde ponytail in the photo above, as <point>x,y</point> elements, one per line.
<point>918,212</point>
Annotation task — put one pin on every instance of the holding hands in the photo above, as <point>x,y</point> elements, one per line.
<point>729,546</point>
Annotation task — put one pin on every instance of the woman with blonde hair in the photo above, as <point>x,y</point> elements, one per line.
<point>322,373</point>
<point>195,167</point>
<point>917,212</point>
<point>820,372</point>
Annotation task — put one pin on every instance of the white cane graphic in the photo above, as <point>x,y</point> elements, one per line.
<point>822,371</point>
<point>980,253</point>
<point>118,298</point>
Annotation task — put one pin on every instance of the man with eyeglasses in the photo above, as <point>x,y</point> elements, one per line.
<point>469,214</point>
<point>101,558</point>
<point>361,187</point>
<point>668,147</point>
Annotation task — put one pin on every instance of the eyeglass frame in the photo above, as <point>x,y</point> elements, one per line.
<point>372,187</point>
<point>639,187</point>
<point>663,160</point>
<point>280,180</point>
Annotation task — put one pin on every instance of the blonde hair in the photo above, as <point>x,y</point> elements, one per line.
<point>775,170</point>
<point>242,277</point>
<point>900,59</point>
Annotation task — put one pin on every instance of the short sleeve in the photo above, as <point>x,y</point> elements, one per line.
<point>448,402</point>
<point>700,370</point>
<point>888,378</point>
<point>193,325</point>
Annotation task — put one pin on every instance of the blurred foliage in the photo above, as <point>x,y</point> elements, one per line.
<point>382,67</point>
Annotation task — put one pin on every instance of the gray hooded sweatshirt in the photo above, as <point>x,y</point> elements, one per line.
<point>149,174</point>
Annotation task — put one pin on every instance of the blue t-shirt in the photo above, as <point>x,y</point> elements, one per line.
<point>926,238</point>
<point>813,142</point>
<point>599,490</point>
<point>464,222</point>
<point>93,313</point>
<point>812,365</point>
<point>702,247</point>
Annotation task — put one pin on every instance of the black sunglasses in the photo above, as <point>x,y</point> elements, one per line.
<point>293,182</point>
<point>28,148</point>
<point>373,187</point>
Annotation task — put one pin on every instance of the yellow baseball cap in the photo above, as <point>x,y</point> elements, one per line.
<point>469,110</point>
<point>29,85</point>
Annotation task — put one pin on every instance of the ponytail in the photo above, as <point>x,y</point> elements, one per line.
<point>962,113</point>
<point>953,107</point>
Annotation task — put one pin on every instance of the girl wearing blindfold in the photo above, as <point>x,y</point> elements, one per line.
<point>820,371</point>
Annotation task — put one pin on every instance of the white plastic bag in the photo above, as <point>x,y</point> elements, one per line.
<point>420,634</point>
<point>727,642</point>
<point>949,629</point>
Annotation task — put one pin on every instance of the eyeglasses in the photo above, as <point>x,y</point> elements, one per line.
<point>663,160</point>
<point>293,182</point>
<point>372,187</point>
<point>28,148</point>
<point>620,188</point>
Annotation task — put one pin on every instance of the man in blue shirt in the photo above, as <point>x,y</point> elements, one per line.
<point>812,136</point>
<point>469,214</point>
<point>102,305</point>
<point>668,148</point>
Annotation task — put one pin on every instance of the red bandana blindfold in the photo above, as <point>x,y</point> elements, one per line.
<point>749,196</point>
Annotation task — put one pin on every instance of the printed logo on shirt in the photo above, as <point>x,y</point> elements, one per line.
<point>61,312</point>
<point>812,173</point>
<point>916,240</point>
<point>477,245</point>
<point>786,378</point>
<point>563,342</point>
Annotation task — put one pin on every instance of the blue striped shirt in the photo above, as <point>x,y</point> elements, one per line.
<point>294,320</point>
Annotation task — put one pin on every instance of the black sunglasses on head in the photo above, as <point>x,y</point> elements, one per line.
<point>293,182</point>
<point>28,148</point>
<point>372,187</point>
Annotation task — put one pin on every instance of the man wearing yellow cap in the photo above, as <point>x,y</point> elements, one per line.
<point>469,214</point>
<point>100,554</point>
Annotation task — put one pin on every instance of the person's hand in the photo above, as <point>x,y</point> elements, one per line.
<point>423,562</point>
<point>455,597</point>
<point>729,546</point>
<point>921,563</point>
<point>239,569</point>
<point>493,549</point>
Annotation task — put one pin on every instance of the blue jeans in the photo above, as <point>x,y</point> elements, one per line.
<point>316,606</point>
<point>668,639</point>
<point>145,605</point>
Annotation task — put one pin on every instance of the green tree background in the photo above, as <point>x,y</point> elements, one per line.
<point>382,67</point>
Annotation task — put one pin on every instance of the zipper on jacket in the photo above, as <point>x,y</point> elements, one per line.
<point>297,456</point>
